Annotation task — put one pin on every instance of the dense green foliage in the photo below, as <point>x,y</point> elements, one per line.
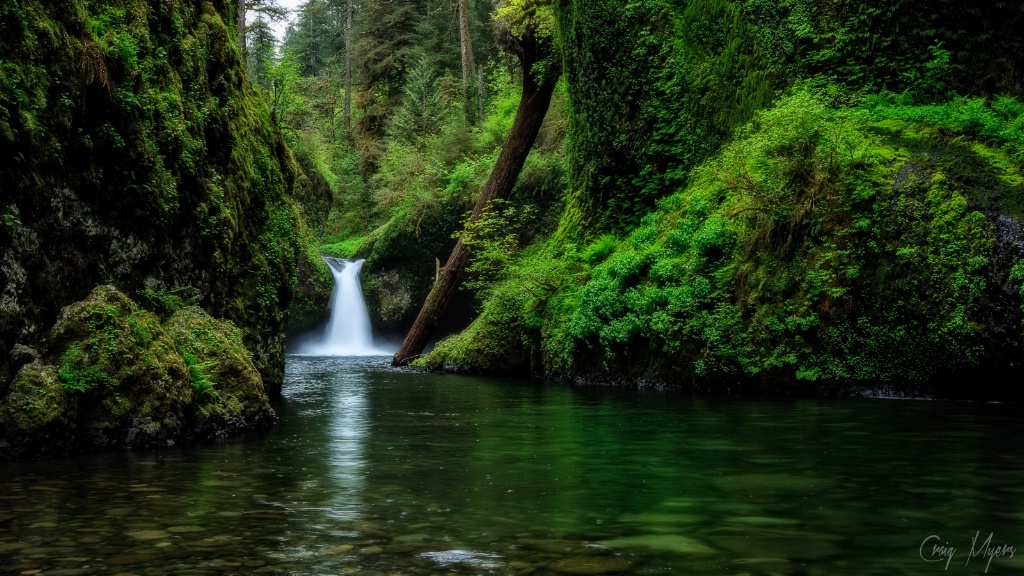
<point>657,86</point>
<point>862,232</point>
<point>812,195</point>
<point>830,246</point>
<point>409,165</point>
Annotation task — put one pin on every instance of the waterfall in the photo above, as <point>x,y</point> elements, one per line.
<point>348,331</point>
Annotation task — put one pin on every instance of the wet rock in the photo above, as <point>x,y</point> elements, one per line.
<point>367,527</point>
<point>38,414</point>
<point>562,547</point>
<point>185,529</point>
<point>522,567</point>
<point>148,534</point>
<point>590,565</point>
<point>411,538</point>
<point>21,355</point>
<point>131,559</point>
<point>8,547</point>
<point>452,558</point>
<point>343,549</point>
<point>663,542</point>
<point>230,396</point>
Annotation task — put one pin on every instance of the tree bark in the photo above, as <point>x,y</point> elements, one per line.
<point>480,92</point>
<point>241,31</point>
<point>466,40</point>
<point>533,105</point>
<point>348,70</point>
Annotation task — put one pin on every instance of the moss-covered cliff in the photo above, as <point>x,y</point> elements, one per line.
<point>821,251</point>
<point>861,234</point>
<point>137,154</point>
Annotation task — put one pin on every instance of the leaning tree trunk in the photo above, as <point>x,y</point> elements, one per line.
<point>533,105</point>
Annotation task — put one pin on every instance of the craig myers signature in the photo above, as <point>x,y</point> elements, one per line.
<point>933,549</point>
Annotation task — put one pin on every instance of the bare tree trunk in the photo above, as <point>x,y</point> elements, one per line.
<point>466,40</point>
<point>480,92</point>
<point>241,31</point>
<point>533,105</point>
<point>348,70</point>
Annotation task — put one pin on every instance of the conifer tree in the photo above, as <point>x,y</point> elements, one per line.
<point>269,9</point>
<point>385,51</point>
<point>424,107</point>
<point>262,47</point>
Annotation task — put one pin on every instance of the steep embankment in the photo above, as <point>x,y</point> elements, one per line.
<point>137,154</point>
<point>843,241</point>
<point>823,250</point>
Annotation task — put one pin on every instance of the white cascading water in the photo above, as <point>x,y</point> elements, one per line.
<point>348,330</point>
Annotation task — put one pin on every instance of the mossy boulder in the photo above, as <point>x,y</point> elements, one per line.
<point>38,413</point>
<point>132,385</point>
<point>114,377</point>
<point>229,393</point>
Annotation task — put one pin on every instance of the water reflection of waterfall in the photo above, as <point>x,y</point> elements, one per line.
<point>348,427</point>
<point>348,331</point>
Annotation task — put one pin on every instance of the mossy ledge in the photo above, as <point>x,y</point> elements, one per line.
<point>112,376</point>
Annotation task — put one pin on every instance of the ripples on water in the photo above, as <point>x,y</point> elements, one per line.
<point>378,471</point>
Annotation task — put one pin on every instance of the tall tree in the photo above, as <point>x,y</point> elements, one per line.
<point>262,47</point>
<point>386,50</point>
<point>525,29</point>
<point>466,43</point>
<point>317,35</point>
<point>349,13</point>
<point>267,8</point>
<point>424,107</point>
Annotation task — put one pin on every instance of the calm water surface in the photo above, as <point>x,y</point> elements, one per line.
<point>374,471</point>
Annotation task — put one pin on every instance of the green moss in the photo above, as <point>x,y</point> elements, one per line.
<point>347,248</point>
<point>120,365</point>
<point>227,387</point>
<point>837,248</point>
<point>140,110</point>
<point>38,403</point>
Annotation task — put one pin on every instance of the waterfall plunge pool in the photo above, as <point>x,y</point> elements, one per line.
<point>377,471</point>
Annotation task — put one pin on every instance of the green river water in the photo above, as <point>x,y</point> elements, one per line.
<point>382,472</point>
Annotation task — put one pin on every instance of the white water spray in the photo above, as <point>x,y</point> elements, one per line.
<point>348,330</point>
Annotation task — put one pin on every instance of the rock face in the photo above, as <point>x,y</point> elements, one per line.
<point>137,154</point>
<point>113,377</point>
